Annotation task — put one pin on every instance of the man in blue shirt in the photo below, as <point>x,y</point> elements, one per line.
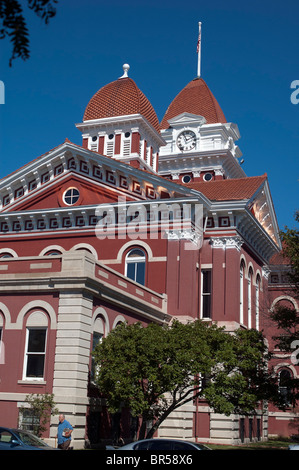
<point>64,432</point>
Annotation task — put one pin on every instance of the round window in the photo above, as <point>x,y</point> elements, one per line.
<point>208,177</point>
<point>186,179</point>
<point>71,196</point>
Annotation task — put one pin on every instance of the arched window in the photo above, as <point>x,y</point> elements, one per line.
<point>35,350</point>
<point>6,255</point>
<point>242,273</point>
<point>250,276</point>
<point>2,359</point>
<point>257,301</point>
<point>98,333</point>
<point>53,253</point>
<point>284,377</point>
<point>135,265</point>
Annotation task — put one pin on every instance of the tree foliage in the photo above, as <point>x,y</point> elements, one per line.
<point>13,23</point>
<point>285,317</point>
<point>40,408</point>
<point>154,370</point>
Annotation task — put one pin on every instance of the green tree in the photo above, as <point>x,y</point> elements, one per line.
<point>40,407</point>
<point>287,318</point>
<point>13,23</point>
<point>154,370</point>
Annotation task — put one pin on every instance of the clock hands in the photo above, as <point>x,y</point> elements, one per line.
<point>186,140</point>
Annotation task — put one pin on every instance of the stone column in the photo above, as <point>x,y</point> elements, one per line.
<point>72,354</point>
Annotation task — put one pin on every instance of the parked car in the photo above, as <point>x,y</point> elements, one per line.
<point>17,439</point>
<point>164,444</point>
<point>294,447</point>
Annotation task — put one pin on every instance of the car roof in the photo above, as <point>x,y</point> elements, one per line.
<point>15,430</point>
<point>168,439</point>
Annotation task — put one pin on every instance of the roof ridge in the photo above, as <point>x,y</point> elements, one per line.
<point>264,176</point>
<point>213,99</point>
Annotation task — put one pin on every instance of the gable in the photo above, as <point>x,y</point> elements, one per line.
<point>70,191</point>
<point>36,184</point>
<point>186,119</point>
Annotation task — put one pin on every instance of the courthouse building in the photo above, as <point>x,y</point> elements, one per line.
<point>145,221</point>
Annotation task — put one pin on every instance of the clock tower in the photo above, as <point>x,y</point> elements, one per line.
<point>200,143</point>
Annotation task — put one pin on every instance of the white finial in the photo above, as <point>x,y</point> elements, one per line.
<point>125,68</point>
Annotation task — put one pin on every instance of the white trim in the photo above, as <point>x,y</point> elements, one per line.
<point>51,247</point>
<point>285,297</point>
<point>242,277</point>
<point>5,311</point>
<point>202,293</point>
<point>101,312</point>
<point>8,250</point>
<point>90,248</point>
<point>18,325</point>
<point>118,319</point>
<point>25,363</point>
<point>135,243</point>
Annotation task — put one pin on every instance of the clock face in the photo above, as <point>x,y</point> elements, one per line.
<point>186,140</point>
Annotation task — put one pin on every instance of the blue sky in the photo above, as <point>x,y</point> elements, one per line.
<point>249,59</point>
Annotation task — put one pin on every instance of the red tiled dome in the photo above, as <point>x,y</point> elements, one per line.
<point>120,98</point>
<point>195,98</point>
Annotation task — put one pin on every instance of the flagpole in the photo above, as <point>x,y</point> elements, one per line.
<point>199,50</point>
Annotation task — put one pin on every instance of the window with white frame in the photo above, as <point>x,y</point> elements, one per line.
<point>71,196</point>
<point>35,353</point>
<point>206,293</point>
<point>257,302</point>
<point>29,420</point>
<point>98,333</point>
<point>250,275</point>
<point>135,265</point>
<point>284,379</point>
<point>242,272</point>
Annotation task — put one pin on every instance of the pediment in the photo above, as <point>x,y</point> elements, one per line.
<point>187,119</point>
<point>67,192</point>
<point>41,183</point>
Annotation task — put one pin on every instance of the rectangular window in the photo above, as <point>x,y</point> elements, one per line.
<point>206,293</point>
<point>136,272</point>
<point>35,353</point>
<point>29,421</point>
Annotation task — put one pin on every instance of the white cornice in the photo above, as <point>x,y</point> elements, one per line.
<point>179,162</point>
<point>121,121</point>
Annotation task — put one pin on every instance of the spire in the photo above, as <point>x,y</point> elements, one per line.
<point>125,69</point>
<point>199,50</point>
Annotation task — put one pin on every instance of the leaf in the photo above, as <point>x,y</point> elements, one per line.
<point>14,26</point>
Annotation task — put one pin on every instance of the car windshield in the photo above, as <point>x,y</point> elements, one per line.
<point>30,439</point>
<point>200,446</point>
